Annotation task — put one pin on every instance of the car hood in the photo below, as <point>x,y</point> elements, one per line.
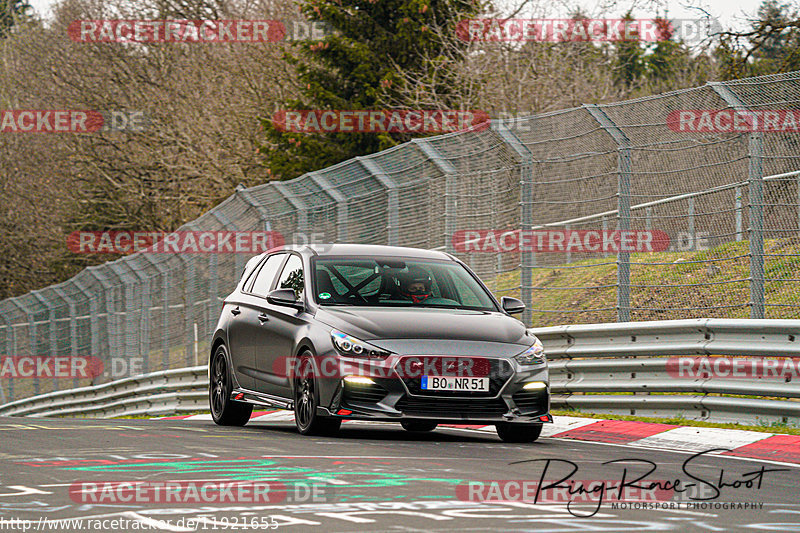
<point>424,324</point>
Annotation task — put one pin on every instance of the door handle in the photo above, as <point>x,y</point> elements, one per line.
<point>236,311</point>
<point>263,317</point>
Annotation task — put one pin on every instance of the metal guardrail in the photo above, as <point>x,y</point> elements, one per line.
<point>601,368</point>
<point>623,369</point>
<point>157,393</point>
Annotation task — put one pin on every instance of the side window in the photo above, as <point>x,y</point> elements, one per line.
<point>267,273</point>
<point>292,276</point>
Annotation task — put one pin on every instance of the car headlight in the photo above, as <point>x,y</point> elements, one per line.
<point>352,347</point>
<point>533,355</point>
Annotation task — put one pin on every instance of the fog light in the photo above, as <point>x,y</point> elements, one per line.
<point>535,385</point>
<point>358,380</point>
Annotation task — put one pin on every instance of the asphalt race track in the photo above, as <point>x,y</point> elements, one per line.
<point>372,477</point>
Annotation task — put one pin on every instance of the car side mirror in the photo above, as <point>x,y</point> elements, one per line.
<point>284,297</point>
<point>512,306</point>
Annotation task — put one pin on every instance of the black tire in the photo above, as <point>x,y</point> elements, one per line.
<point>518,432</point>
<point>306,400</point>
<point>224,411</point>
<point>418,426</point>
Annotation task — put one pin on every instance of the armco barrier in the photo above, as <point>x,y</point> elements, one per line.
<point>158,393</point>
<point>622,369</point>
<point>602,368</point>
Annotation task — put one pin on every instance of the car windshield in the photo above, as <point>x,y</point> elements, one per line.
<point>391,282</point>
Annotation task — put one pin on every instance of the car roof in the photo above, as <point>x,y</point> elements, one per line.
<point>369,250</point>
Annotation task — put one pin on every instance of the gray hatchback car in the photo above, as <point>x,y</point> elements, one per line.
<point>359,332</point>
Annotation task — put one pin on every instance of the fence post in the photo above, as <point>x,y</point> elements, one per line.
<point>527,257</point>
<point>451,203</point>
<point>299,205</point>
<point>755,186</point>
<point>738,200</point>
<point>189,290</point>
<point>131,328</point>
<point>341,204</point>
<point>690,222</point>
<point>112,325</point>
<point>623,208</point>
<point>243,195</point>
<point>94,326</point>
<point>188,306</point>
<point>51,316</point>
<point>148,348</point>
<point>13,348</point>
<point>7,346</point>
<point>393,199</point>
<point>73,326</point>
<point>32,344</point>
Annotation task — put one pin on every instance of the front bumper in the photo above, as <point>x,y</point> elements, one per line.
<point>392,397</point>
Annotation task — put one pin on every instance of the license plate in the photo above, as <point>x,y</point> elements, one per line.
<point>454,383</point>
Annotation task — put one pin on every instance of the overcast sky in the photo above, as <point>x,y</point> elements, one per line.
<point>730,13</point>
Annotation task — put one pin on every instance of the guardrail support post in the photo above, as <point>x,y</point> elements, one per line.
<point>623,208</point>
<point>451,202</point>
<point>755,186</point>
<point>527,257</point>
<point>393,199</point>
<point>341,204</point>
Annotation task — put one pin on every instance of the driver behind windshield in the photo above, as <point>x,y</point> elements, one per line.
<point>415,285</point>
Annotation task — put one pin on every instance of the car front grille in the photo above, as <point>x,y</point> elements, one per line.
<point>454,408</point>
<point>499,372</point>
<point>533,401</point>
